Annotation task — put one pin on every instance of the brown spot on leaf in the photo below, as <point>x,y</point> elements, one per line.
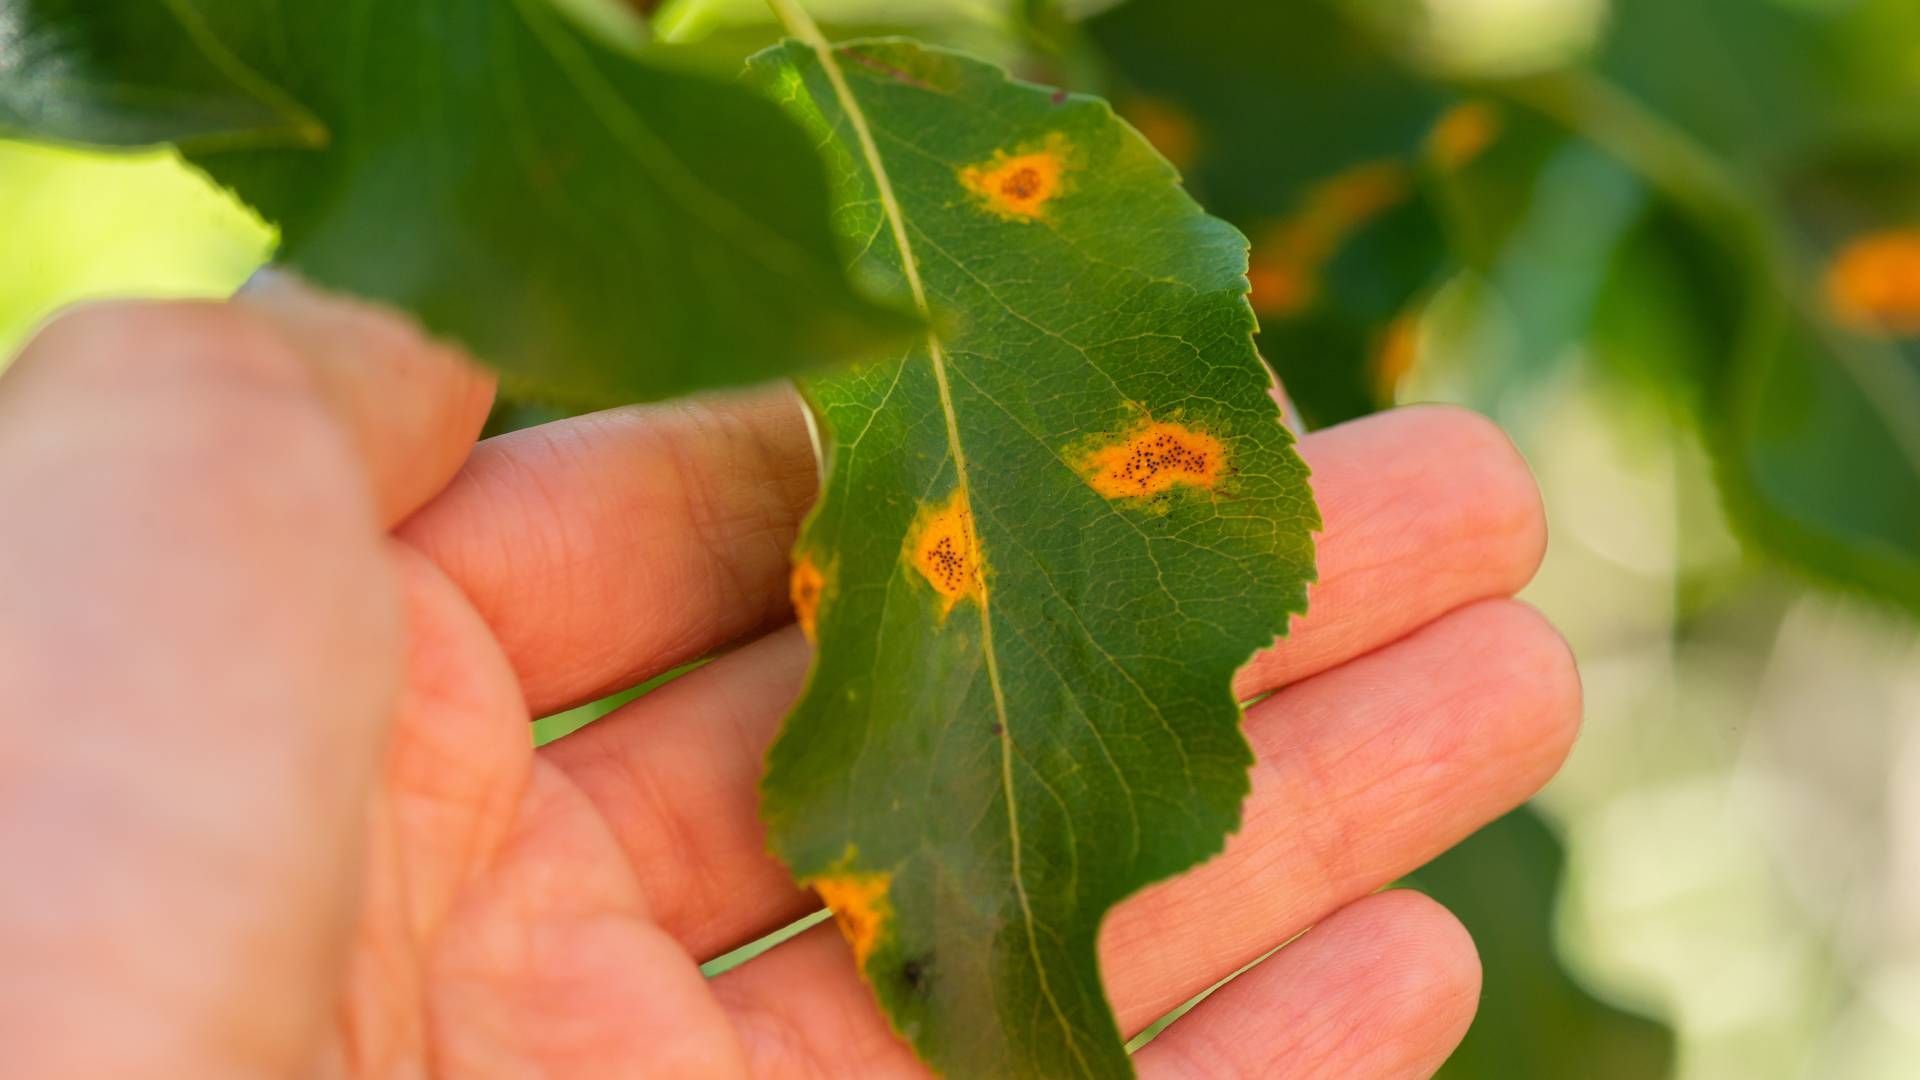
<point>1873,284</point>
<point>805,586</point>
<point>1019,186</point>
<point>943,548</point>
<point>860,907</point>
<point>1462,134</point>
<point>1156,457</point>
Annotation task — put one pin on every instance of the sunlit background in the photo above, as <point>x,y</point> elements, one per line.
<point>1742,815</point>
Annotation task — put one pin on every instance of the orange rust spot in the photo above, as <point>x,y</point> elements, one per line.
<point>1019,186</point>
<point>1167,126</point>
<point>860,906</point>
<point>1156,457</point>
<point>1288,255</point>
<point>805,587</point>
<point>1462,134</point>
<point>1873,284</point>
<point>1395,355</point>
<point>945,551</point>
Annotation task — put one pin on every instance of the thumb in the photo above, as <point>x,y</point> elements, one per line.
<point>200,650</point>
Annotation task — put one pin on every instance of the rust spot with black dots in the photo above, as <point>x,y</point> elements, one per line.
<point>1019,186</point>
<point>943,548</point>
<point>1155,458</point>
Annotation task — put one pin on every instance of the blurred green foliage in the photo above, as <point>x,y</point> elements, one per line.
<point>75,226</point>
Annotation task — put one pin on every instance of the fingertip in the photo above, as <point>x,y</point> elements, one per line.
<point>415,405</point>
<point>1429,961</point>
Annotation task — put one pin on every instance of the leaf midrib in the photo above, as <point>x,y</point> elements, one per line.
<point>801,25</point>
<point>306,128</point>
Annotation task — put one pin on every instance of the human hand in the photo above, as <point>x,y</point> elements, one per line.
<point>272,627</point>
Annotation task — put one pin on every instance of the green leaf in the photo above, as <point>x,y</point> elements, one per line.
<point>1046,540</point>
<point>602,228</point>
<point>1535,1019</point>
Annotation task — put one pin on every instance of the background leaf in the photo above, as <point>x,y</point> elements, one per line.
<point>601,228</point>
<point>1805,374</point>
<point>1040,554</point>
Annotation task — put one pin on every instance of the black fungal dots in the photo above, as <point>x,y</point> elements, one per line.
<point>1163,453</point>
<point>917,975</point>
<point>944,552</point>
<point>948,565</point>
<point>1155,459</point>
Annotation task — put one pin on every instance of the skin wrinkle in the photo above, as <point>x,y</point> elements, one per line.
<point>437,768</point>
<point>678,837</point>
<point>717,510</point>
<point>1422,761</point>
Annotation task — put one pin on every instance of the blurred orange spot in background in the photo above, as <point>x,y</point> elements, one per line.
<point>1873,284</point>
